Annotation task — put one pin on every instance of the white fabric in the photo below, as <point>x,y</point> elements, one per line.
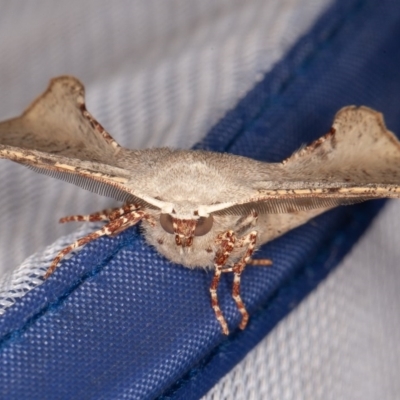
<point>17,282</point>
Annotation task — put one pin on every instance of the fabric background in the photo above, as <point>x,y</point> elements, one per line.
<point>102,329</point>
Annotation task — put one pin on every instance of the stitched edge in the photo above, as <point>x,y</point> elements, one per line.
<point>52,306</point>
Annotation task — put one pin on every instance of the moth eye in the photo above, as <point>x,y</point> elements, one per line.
<point>167,223</point>
<point>203,226</point>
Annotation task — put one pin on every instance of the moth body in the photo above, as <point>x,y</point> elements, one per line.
<point>199,208</point>
<point>201,251</point>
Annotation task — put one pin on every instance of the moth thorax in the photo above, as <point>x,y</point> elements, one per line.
<point>185,229</point>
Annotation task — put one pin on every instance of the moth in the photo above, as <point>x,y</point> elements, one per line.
<point>197,208</point>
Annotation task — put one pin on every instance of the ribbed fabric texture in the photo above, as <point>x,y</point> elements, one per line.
<point>119,321</point>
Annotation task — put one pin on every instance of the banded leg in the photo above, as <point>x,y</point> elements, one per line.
<point>105,215</point>
<point>262,262</point>
<point>215,302</point>
<point>227,241</point>
<point>238,268</point>
<point>110,228</point>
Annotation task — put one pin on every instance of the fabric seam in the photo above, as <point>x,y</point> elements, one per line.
<point>16,333</point>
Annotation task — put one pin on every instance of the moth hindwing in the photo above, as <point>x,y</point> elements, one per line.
<point>187,219</point>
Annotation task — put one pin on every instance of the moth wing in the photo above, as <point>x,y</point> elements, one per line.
<point>358,150</point>
<point>358,160</point>
<point>57,122</point>
<point>58,137</point>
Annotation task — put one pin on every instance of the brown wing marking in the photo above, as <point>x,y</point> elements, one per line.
<point>358,160</point>
<point>57,122</point>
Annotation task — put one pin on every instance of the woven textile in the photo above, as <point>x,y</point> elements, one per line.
<point>119,321</point>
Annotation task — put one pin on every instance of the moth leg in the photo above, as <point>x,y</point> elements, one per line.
<point>227,241</point>
<point>264,262</point>
<point>97,216</point>
<point>105,215</point>
<point>260,262</point>
<point>110,228</point>
<point>215,302</point>
<point>128,224</point>
<point>249,241</point>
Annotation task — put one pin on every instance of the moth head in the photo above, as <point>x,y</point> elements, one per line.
<point>188,220</point>
<point>185,229</point>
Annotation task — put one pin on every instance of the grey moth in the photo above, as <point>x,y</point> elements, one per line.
<point>187,219</point>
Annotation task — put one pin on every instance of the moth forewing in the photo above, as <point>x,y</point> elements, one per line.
<point>57,122</point>
<point>358,152</point>
<point>358,160</point>
<point>188,220</point>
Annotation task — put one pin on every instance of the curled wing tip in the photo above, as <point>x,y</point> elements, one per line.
<point>57,122</point>
<point>356,114</point>
<point>68,85</point>
<point>66,80</point>
<point>353,114</point>
<point>63,86</point>
<point>366,118</point>
<point>371,124</point>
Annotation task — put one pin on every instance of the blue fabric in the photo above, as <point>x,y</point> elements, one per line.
<point>120,321</point>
